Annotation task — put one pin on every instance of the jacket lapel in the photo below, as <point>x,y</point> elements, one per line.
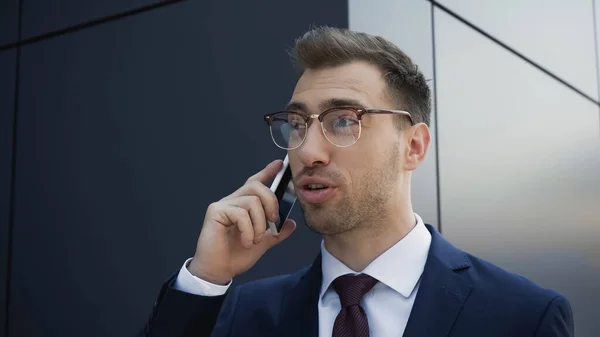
<point>299,314</point>
<point>442,291</point>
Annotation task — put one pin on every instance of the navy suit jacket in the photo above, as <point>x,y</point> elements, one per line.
<point>459,295</point>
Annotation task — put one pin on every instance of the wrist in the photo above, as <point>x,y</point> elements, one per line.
<point>202,274</point>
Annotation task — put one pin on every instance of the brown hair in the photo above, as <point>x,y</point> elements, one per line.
<point>323,47</point>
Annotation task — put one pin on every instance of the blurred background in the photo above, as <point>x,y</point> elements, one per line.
<point>120,121</point>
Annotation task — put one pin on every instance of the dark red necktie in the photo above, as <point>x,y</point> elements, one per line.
<point>352,319</point>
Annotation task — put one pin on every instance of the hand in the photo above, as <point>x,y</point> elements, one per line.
<point>234,234</point>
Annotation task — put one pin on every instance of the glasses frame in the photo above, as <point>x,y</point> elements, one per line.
<point>359,112</point>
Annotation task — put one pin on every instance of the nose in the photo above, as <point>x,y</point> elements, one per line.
<point>315,150</point>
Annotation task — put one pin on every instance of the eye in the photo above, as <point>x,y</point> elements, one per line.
<point>297,123</point>
<point>344,122</point>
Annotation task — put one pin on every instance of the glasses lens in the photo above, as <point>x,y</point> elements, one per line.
<point>288,129</point>
<point>342,127</point>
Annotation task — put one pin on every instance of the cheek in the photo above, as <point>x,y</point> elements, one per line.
<point>294,163</point>
<point>368,162</point>
<point>365,153</point>
<point>357,165</point>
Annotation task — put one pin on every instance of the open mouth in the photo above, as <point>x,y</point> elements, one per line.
<point>315,187</point>
<point>316,193</point>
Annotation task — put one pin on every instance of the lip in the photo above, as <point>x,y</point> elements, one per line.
<point>315,196</point>
<point>313,180</point>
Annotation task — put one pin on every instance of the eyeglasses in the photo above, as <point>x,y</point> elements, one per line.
<point>341,126</point>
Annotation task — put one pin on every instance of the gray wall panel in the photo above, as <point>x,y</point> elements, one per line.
<point>407,23</point>
<point>127,132</point>
<point>9,20</point>
<point>519,168</point>
<point>557,34</point>
<point>40,16</point>
<point>7,98</point>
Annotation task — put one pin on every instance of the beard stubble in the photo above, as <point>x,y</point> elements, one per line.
<point>367,203</point>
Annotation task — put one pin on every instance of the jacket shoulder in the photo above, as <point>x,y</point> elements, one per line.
<point>489,277</point>
<point>520,304</point>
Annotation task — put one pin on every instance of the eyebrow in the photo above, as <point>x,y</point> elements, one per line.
<point>327,104</point>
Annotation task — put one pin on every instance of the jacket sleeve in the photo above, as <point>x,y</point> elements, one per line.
<point>180,314</point>
<point>557,321</point>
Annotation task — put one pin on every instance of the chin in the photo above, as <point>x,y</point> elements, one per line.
<point>328,230</point>
<point>319,229</point>
<point>324,218</point>
<point>314,219</point>
<point>324,225</point>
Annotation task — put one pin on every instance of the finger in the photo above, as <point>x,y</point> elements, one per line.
<point>268,173</point>
<point>254,206</point>
<point>241,219</point>
<point>267,198</point>
<point>271,239</point>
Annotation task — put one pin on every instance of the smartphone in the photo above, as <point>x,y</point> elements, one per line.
<point>283,187</point>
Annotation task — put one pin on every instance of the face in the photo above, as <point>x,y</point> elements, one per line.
<point>362,181</point>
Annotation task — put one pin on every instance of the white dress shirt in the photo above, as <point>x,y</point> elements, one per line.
<point>387,305</point>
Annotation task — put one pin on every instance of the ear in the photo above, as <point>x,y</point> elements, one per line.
<point>417,139</point>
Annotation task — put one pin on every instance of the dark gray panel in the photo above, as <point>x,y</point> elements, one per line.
<point>9,18</point>
<point>7,98</point>
<point>40,16</point>
<point>127,132</point>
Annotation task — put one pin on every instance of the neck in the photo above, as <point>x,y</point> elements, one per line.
<point>358,247</point>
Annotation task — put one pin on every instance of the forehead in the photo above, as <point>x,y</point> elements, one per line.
<point>357,81</point>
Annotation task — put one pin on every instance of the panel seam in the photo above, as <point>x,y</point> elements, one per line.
<point>595,28</point>
<point>437,126</point>
<point>87,24</point>
<point>513,51</point>
<point>13,171</point>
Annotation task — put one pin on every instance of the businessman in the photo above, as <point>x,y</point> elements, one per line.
<point>355,127</point>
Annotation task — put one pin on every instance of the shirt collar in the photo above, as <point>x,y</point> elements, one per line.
<point>407,256</point>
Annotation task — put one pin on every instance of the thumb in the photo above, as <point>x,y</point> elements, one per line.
<point>271,239</point>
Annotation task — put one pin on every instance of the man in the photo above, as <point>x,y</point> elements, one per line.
<point>355,128</point>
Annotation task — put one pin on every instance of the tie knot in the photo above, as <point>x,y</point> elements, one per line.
<point>351,288</point>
